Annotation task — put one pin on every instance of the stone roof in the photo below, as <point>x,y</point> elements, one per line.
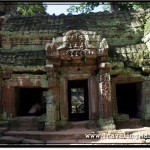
<point>23,58</point>
<point>123,33</point>
<point>120,28</point>
<point>70,22</point>
<point>134,56</point>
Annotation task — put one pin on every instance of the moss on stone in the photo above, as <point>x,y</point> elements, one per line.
<point>24,69</point>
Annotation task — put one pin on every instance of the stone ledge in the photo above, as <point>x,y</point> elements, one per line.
<point>10,140</point>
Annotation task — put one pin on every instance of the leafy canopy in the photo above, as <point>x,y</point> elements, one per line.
<point>31,8</point>
<point>86,7</point>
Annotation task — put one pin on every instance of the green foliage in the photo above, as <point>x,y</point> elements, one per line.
<point>31,8</point>
<point>133,5</point>
<point>86,7</point>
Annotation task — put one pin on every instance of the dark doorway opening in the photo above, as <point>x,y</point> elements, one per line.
<point>127,99</point>
<point>27,97</point>
<point>78,100</point>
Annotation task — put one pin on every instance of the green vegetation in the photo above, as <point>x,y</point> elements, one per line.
<point>31,8</point>
<point>86,7</point>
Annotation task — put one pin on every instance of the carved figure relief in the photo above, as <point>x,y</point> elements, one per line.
<point>105,90</point>
<point>76,40</point>
<point>103,46</point>
<point>76,43</point>
<point>51,116</point>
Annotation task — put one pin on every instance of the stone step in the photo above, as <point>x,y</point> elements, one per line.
<point>4,124</point>
<point>16,140</point>
<point>104,142</point>
<point>72,141</point>
<point>84,124</point>
<point>80,124</point>
<point>9,140</point>
<point>25,123</point>
<point>33,124</point>
<point>78,135</point>
<point>47,136</point>
<point>121,141</point>
<point>131,123</point>
<point>69,134</point>
<point>3,129</point>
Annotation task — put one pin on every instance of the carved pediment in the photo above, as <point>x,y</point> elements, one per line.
<point>75,40</point>
<point>77,43</point>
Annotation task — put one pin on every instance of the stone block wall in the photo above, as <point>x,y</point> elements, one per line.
<point>9,95</point>
<point>8,101</point>
<point>26,58</point>
<point>146,36</point>
<point>25,41</point>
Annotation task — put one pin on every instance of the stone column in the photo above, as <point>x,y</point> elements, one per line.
<point>1,91</point>
<point>105,105</point>
<point>52,96</point>
<point>145,100</point>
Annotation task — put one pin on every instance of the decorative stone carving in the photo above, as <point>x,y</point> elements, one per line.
<point>106,120</point>
<point>105,77</point>
<point>51,50</point>
<point>79,52</point>
<point>50,123</point>
<point>50,117</point>
<point>103,46</point>
<point>105,91</point>
<point>76,40</point>
<point>50,70</point>
<point>52,98</point>
<point>77,43</point>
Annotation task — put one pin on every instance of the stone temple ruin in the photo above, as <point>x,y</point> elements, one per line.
<point>93,67</point>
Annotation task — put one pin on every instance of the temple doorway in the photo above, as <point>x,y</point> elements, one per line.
<point>127,99</point>
<point>78,100</point>
<point>27,97</point>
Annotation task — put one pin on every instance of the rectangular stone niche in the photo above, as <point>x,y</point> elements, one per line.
<point>128,97</point>
<point>26,97</point>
